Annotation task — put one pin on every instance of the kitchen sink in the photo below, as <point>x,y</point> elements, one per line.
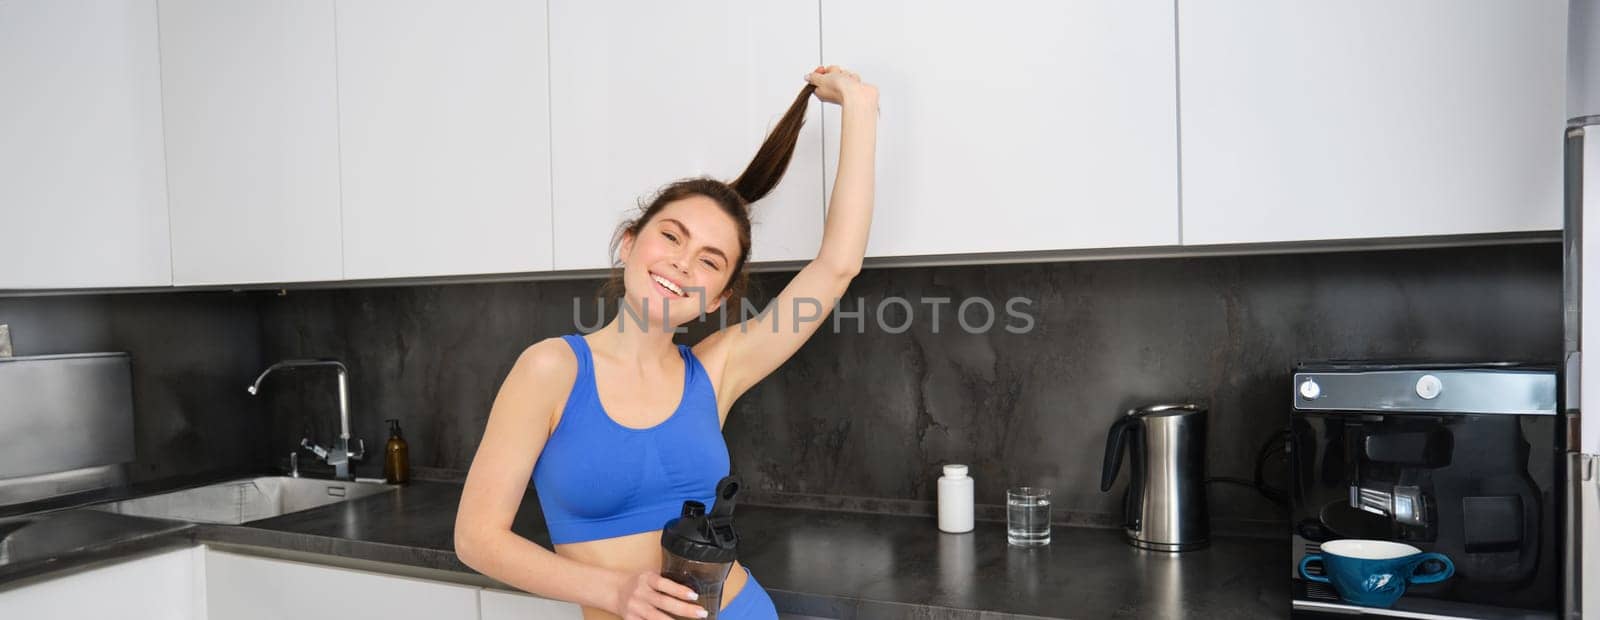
<point>243,501</point>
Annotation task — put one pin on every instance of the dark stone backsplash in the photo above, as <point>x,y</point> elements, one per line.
<point>873,415</point>
<point>431,356</point>
<point>192,355</point>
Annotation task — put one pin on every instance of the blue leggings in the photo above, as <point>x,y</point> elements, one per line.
<point>752,603</point>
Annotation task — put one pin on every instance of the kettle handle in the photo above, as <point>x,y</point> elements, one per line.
<point>1116,443</point>
<point>1133,499</point>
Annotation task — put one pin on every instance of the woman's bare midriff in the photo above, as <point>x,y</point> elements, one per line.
<point>636,553</point>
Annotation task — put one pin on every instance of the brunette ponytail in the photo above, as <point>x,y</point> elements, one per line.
<point>769,164</point>
<point>758,178</point>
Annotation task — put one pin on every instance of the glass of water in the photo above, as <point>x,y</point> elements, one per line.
<point>1028,516</point>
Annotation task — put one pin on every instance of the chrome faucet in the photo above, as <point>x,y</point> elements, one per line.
<point>339,454</point>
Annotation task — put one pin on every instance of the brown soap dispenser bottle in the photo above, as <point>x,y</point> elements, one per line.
<point>396,460</point>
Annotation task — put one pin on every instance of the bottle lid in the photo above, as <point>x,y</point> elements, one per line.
<point>701,537</point>
<point>955,471</point>
<point>394,427</point>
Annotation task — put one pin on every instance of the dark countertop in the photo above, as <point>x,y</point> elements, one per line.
<point>839,564</point>
<point>32,546</point>
<point>820,563</point>
<point>414,525</point>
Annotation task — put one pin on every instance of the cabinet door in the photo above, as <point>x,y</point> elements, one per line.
<point>1339,120</point>
<point>241,587</point>
<point>83,191</point>
<point>252,140</point>
<point>165,586</point>
<point>1017,125</point>
<point>497,605</point>
<point>645,93</point>
<point>444,137</point>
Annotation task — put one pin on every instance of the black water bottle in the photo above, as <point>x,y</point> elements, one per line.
<point>698,549</point>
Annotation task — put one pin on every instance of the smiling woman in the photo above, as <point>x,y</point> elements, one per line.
<point>705,223</point>
<point>619,427</point>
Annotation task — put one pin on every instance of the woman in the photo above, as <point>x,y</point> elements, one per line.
<point>616,427</point>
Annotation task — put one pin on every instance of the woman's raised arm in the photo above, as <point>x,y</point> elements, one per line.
<point>756,347</point>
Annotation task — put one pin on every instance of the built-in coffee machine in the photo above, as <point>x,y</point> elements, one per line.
<point>1460,460</point>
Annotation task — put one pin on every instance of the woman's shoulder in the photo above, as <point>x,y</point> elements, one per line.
<point>537,385</point>
<point>551,359</point>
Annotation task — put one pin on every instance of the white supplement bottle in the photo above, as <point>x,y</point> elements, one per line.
<point>955,500</point>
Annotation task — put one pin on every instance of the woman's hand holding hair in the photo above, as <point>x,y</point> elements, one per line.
<point>840,86</point>
<point>755,348</point>
<point>649,596</point>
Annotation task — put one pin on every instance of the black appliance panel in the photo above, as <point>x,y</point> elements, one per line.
<point>1481,488</point>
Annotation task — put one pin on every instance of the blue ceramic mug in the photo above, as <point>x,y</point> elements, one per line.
<point>1373,573</point>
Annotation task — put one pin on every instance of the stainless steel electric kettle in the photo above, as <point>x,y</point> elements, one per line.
<point>1165,505</point>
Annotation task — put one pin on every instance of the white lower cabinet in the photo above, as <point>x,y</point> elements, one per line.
<point>200,583</point>
<point>243,587</point>
<point>165,586</point>
<point>497,605</point>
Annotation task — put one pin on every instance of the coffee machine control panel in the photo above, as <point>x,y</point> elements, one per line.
<point>1473,390</point>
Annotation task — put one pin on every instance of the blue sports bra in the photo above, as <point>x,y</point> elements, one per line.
<point>599,479</point>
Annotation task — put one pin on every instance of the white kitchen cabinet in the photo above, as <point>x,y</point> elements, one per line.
<point>444,137</point>
<point>497,605</point>
<point>645,93</point>
<point>83,191</point>
<point>166,586</point>
<point>242,587</point>
<point>1340,120</point>
<point>1016,125</point>
<point>252,140</point>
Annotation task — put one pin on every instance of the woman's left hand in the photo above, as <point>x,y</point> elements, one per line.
<point>838,85</point>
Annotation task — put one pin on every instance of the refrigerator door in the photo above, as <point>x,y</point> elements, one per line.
<point>1582,291</point>
<point>1581,248</point>
<point>1583,333</point>
<point>1583,252</point>
<point>1583,256</point>
<point>1582,284</point>
<point>1588,484</point>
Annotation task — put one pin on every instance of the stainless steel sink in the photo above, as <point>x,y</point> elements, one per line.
<point>243,501</point>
